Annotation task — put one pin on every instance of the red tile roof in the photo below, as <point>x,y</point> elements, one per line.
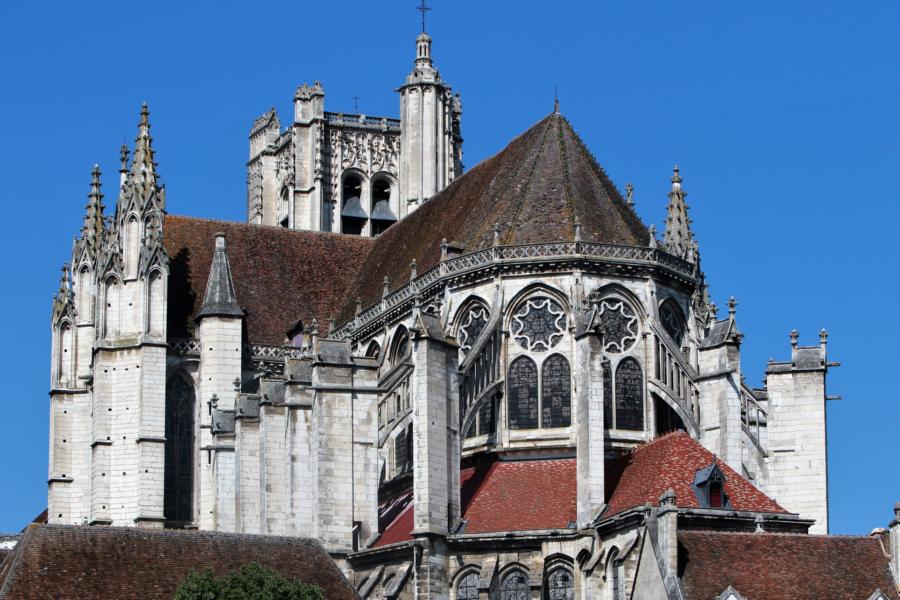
<point>534,189</point>
<point>782,566</point>
<point>520,496</point>
<point>672,461</point>
<point>64,561</point>
<point>280,275</point>
<point>400,529</point>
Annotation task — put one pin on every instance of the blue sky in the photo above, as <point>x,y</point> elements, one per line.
<point>783,117</point>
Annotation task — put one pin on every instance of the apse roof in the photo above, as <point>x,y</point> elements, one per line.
<point>534,189</point>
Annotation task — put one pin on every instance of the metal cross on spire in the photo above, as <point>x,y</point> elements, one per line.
<point>356,103</point>
<point>423,8</point>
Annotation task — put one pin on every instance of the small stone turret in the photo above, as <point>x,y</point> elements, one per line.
<point>678,238</point>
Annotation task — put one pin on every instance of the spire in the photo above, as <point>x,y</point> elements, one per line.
<point>123,164</point>
<point>94,227</point>
<point>678,239</point>
<point>220,299</point>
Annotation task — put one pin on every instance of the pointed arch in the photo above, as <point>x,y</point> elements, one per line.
<point>629,394</point>
<point>84,294</point>
<point>112,310</point>
<point>400,347</point>
<point>672,319</point>
<point>522,403</point>
<point>132,246</point>
<point>535,289</point>
<point>178,487</point>
<point>560,584</point>
<point>65,366</point>
<point>556,392</point>
<point>470,320</point>
<point>466,583</point>
<point>514,584</point>
<point>156,304</point>
<point>373,350</point>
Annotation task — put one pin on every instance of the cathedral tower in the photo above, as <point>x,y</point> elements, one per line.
<point>430,140</point>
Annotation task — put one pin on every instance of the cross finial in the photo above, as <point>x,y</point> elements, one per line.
<point>356,104</point>
<point>556,99</point>
<point>423,8</point>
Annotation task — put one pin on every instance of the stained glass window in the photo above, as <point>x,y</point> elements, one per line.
<point>468,587</point>
<point>403,451</point>
<point>539,324</point>
<point>556,392</point>
<point>672,321</point>
<point>471,326</point>
<point>607,396</point>
<point>561,585</point>
<point>515,587</point>
<point>618,324</point>
<point>178,486</point>
<point>629,395</point>
<point>523,394</point>
<point>486,422</point>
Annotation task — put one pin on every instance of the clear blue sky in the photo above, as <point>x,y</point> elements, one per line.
<point>784,117</point>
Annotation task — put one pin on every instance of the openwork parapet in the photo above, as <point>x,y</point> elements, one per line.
<point>502,256</point>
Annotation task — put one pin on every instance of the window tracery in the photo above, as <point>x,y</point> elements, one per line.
<point>629,395</point>
<point>515,587</point>
<point>561,585</point>
<point>672,321</point>
<point>539,324</point>
<point>523,394</point>
<point>179,451</point>
<point>467,589</point>
<point>556,392</point>
<point>618,324</point>
<point>472,324</point>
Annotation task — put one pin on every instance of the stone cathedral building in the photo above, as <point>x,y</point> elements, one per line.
<point>496,385</point>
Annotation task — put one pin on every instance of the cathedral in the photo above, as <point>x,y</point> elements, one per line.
<point>492,384</point>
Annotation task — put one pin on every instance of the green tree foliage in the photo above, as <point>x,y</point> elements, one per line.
<point>250,582</point>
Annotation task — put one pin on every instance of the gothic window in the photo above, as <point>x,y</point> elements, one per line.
<point>515,587</point>
<point>374,350</point>
<point>672,321</point>
<point>607,395</point>
<point>132,246</point>
<point>85,312</point>
<point>467,588</point>
<point>155,305</point>
<point>618,325</point>
<point>523,394</point>
<point>401,345</point>
<point>284,207</point>
<point>111,314</point>
<point>382,215</point>
<point>629,395</point>
<point>178,487</point>
<point>539,324</point>
<point>556,392</point>
<point>486,420</point>
<point>471,326</point>
<point>65,353</point>
<point>561,585</point>
<point>353,215</point>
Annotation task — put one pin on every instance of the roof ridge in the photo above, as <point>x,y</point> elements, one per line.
<point>298,232</point>
<point>567,179</point>
<point>521,202</point>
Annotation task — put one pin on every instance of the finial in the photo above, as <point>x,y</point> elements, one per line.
<point>496,234</point>
<point>555,99</point>
<point>629,194</point>
<point>713,310</point>
<point>237,384</point>
<point>331,325</point>
<point>145,115</point>
<point>577,229</point>
<point>823,337</point>
<point>220,240</point>
<point>123,158</point>
<point>385,286</point>
<point>356,103</point>
<point>423,8</point>
<point>443,249</point>
<point>759,524</point>
<point>412,270</point>
<point>653,236</point>
<point>676,178</point>
<point>795,336</point>
<point>732,306</point>
<point>315,327</point>
<point>358,304</point>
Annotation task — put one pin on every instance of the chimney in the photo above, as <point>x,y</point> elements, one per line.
<point>667,534</point>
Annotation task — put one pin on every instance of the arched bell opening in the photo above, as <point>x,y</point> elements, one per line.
<point>353,216</point>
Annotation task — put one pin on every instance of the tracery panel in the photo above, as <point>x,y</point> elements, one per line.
<point>629,395</point>
<point>556,392</point>
<point>561,585</point>
<point>523,394</point>
<point>178,482</point>
<point>471,326</point>
<point>515,587</point>
<point>538,324</point>
<point>672,321</point>
<point>467,589</point>
<point>618,324</point>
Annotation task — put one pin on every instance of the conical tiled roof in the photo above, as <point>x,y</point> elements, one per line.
<point>534,190</point>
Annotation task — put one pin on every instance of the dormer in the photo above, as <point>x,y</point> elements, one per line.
<point>709,486</point>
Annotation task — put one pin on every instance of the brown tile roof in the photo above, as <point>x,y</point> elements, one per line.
<point>533,189</point>
<point>279,275</point>
<point>672,461</point>
<point>62,562</point>
<point>772,566</point>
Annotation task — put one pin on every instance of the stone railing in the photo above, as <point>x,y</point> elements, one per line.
<point>754,418</point>
<point>191,347</point>
<point>361,120</point>
<point>511,255</point>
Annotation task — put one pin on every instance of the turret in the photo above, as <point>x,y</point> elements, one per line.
<point>678,238</point>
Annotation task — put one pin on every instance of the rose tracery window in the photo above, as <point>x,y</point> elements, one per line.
<point>561,585</point>
<point>618,324</point>
<point>515,587</point>
<point>539,324</point>
<point>472,324</point>
<point>468,587</point>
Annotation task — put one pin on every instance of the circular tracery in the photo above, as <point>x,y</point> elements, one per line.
<point>473,323</point>
<point>539,324</point>
<point>618,324</point>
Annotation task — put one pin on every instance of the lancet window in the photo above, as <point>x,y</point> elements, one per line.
<point>560,585</point>
<point>467,588</point>
<point>672,321</point>
<point>514,586</point>
<point>629,395</point>
<point>546,405</point>
<point>179,454</point>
